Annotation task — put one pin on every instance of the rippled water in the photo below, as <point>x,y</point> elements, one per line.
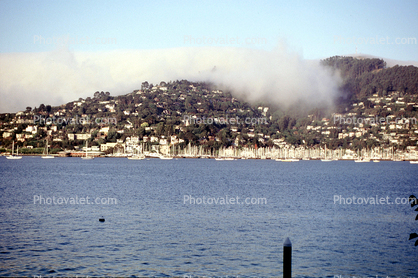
<point>152,232</point>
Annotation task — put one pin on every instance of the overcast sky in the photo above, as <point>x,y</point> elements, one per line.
<point>53,52</point>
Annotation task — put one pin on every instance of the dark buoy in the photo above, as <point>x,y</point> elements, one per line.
<point>101,219</point>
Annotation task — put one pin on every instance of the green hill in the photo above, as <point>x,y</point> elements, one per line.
<point>200,114</point>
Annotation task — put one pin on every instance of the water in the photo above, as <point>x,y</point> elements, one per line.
<point>152,232</point>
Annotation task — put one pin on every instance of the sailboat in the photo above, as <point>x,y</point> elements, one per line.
<point>285,157</point>
<point>167,157</point>
<point>47,156</point>
<point>326,159</point>
<point>87,157</point>
<point>12,156</point>
<point>375,157</point>
<point>137,156</point>
<point>361,158</point>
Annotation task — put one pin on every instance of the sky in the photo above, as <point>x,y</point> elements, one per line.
<point>53,52</point>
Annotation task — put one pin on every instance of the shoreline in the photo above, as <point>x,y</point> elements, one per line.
<point>227,158</point>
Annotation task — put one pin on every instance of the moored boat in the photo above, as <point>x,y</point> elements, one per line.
<point>47,156</point>
<point>13,156</point>
<point>87,157</point>
<point>165,157</point>
<point>136,157</point>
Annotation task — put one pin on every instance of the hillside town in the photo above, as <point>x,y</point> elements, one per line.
<point>183,119</point>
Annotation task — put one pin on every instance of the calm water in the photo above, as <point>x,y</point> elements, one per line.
<point>151,232</point>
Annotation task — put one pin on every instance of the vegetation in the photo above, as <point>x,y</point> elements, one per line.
<point>365,77</point>
<point>179,108</point>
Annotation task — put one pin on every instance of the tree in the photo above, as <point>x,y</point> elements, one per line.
<point>284,123</point>
<point>141,132</point>
<point>144,86</point>
<point>81,110</point>
<point>111,135</point>
<point>94,134</point>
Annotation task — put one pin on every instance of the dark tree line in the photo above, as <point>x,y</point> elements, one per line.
<point>365,77</point>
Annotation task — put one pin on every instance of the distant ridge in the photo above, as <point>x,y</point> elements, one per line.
<point>389,62</point>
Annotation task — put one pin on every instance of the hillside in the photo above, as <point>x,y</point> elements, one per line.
<point>183,112</point>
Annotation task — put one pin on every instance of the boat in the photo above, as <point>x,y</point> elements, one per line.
<point>87,157</point>
<point>219,158</point>
<point>47,156</point>
<point>137,157</point>
<point>376,158</point>
<point>166,157</point>
<point>326,159</point>
<point>362,160</point>
<point>12,156</point>
<point>413,161</point>
<point>170,154</point>
<point>287,159</point>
